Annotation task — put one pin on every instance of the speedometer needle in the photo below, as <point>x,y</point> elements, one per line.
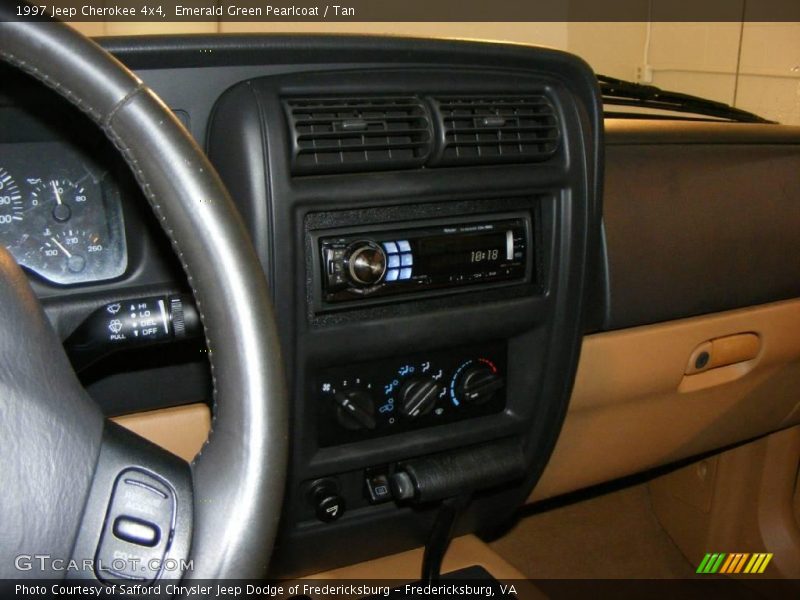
<point>57,243</point>
<point>55,191</point>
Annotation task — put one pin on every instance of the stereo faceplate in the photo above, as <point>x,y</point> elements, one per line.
<point>422,257</point>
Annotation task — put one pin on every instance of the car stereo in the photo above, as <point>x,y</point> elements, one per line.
<point>419,257</point>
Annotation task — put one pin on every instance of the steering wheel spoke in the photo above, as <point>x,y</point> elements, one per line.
<point>84,497</point>
<point>137,523</point>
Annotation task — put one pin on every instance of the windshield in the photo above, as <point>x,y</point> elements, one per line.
<point>753,66</point>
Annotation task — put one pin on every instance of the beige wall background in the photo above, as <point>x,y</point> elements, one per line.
<point>754,66</point>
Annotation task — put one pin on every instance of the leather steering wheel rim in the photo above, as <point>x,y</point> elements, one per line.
<point>238,477</point>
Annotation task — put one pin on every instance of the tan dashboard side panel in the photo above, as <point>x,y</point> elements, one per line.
<point>182,430</point>
<point>632,409</point>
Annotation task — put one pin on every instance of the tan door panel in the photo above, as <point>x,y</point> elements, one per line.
<point>632,408</point>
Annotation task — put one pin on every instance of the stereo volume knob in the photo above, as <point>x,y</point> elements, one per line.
<point>478,384</point>
<point>366,263</point>
<point>418,396</point>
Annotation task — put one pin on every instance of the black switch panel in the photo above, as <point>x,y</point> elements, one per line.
<point>374,399</point>
<point>138,528</point>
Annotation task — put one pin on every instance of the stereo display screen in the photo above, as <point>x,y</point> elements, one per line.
<point>465,252</point>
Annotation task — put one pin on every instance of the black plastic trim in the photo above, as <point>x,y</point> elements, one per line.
<point>543,325</point>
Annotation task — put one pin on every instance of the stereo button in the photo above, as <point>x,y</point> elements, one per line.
<point>404,246</point>
<point>394,261</point>
<point>390,247</point>
<point>392,274</point>
<point>406,260</point>
<point>366,264</point>
<point>405,274</point>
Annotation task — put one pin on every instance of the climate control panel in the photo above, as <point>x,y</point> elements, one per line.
<point>384,397</point>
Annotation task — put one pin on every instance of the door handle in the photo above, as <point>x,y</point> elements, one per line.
<point>723,351</point>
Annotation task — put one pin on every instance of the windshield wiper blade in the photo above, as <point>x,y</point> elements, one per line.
<point>628,93</point>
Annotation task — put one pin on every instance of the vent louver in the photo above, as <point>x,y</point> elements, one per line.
<point>496,129</point>
<point>343,135</point>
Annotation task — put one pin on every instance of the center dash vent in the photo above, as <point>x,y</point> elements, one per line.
<point>496,129</point>
<point>343,135</point>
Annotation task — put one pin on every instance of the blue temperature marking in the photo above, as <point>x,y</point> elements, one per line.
<point>453,382</point>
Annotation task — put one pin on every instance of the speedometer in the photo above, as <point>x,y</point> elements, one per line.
<point>11,206</point>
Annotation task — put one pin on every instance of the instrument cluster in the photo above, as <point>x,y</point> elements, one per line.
<point>60,214</point>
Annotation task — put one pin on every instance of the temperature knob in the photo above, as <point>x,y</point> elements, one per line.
<point>418,396</point>
<point>355,409</point>
<point>366,263</point>
<point>478,383</point>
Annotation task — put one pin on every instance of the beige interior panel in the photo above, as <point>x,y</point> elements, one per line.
<point>159,28</point>
<point>182,430</point>
<point>633,408</point>
<point>465,551</point>
<point>741,500</point>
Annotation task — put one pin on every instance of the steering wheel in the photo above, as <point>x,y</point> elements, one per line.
<point>74,485</point>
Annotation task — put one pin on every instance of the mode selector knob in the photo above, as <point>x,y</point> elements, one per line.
<point>366,263</point>
<point>355,410</point>
<point>478,384</point>
<point>418,396</point>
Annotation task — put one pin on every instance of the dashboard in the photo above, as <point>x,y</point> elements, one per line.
<point>431,219</point>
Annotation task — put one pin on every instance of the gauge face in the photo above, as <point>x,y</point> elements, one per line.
<point>68,254</point>
<point>60,214</point>
<point>60,199</point>
<point>11,205</point>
